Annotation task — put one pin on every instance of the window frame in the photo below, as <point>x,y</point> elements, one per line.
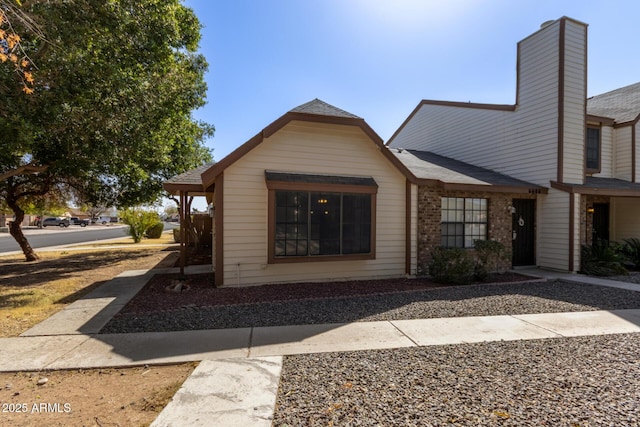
<point>588,169</point>
<point>464,223</point>
<point>315,187</point>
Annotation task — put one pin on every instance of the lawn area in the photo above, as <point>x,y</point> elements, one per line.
<point>31,292</point>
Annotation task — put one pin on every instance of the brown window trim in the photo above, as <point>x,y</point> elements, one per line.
<point>599,168</point>
<point>274,186</point>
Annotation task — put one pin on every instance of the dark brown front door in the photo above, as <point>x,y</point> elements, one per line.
<point>524,232</point>
<point>600,221</point>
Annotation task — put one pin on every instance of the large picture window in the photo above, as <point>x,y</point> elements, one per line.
<point>463,220</point>
<point>320,223</point>
<point>320,218</point>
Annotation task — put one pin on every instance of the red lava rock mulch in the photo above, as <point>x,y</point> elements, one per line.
<point>200,292</point>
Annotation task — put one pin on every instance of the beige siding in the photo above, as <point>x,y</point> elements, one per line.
<point>553,230</point>
<point>637,128</point>
<point>622,150</point>
<point>607,152</point>
<point>625,218</point>
<point>521,143</point>
<point>574,102</point>
<point>309,148</point>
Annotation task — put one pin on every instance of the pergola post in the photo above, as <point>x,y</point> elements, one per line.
<point>183,230</point>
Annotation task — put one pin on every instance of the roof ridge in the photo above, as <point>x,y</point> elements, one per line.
<point>321,108</point>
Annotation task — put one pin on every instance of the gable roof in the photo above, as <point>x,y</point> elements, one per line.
<point>313,111</point>
<point>622,105</point>
<point>189,181</point>
<point>450,174</point>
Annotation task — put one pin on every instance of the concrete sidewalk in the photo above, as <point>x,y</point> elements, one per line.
<point>236,382</point>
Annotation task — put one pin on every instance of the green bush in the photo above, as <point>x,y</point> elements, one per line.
<point>631,252</point>
<point>154,231</point>
<point>451,265</point>
<point>176,234</point>
<point>490,256</point>
<point>600,259</point>
<point>139,220</point>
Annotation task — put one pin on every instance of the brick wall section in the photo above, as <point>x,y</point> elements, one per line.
<point>429,205</point>
<point>586,219</point>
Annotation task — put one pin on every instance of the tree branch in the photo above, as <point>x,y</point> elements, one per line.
<point>23,170</point>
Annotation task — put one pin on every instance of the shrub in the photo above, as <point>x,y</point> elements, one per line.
<point>489,257</point>
<point>176,234</point>
<point>139,220</point>
<point>600,259</point>
<point>451,265</point>
<point>154,231</point>
<point>631,252</point>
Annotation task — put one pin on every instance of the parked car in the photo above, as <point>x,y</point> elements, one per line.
<point>77,221</point>
<point>60,222</point>
<point>104,220</point>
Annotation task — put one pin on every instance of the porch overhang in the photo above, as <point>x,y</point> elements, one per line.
<point>185,186</point>
<point>596,186</point>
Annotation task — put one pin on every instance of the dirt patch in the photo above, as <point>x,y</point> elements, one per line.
<point>168,291</point>
<point>97,397</point>
<point>31,292</point>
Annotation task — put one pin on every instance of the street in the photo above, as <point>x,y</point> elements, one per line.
<point>55,236</point>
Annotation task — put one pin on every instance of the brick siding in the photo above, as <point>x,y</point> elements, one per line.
<point>429,216</point>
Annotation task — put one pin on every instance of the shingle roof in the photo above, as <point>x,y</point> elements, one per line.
<point>190,177</point>
<point>611,184</point>
<point>602,186</point>
<point>321,108</point>
<point>622,105</point>
<point>429,166</point>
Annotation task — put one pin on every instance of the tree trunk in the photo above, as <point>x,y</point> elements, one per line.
<point>15,229</point>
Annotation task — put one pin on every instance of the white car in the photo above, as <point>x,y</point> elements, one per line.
<point>104,220</point>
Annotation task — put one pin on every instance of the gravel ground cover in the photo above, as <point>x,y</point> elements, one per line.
<point>632,277</point>
<point>585,381</point>
<point>474,300</point>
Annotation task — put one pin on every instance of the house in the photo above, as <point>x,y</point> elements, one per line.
<point>318,196</point>
<point>314,196</point>
<point>583,152</point>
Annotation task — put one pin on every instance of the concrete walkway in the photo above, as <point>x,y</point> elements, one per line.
<point>236,383</point>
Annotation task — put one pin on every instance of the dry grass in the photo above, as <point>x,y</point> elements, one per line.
<point>31,292</point>
<point>165,239</point>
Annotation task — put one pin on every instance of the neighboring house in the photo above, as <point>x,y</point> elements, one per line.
<point>316,195</point>
<point>582,152</point>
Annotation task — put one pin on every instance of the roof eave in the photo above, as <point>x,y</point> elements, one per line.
<point>176,188</point>
<point>594,191</point>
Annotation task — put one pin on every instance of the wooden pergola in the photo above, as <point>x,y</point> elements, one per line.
<point>186,186</point>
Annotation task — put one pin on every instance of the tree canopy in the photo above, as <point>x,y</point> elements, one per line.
<point>110,116</point>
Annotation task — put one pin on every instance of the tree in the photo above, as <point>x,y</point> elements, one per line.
<point>11,50</point>
<point>110,115</point>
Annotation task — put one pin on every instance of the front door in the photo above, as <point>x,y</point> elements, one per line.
<point>524,231</point>
<point>600,221</point>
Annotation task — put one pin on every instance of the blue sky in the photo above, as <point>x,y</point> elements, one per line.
<point>377,59</point>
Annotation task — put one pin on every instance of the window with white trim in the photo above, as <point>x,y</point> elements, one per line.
<point>463,220</point>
